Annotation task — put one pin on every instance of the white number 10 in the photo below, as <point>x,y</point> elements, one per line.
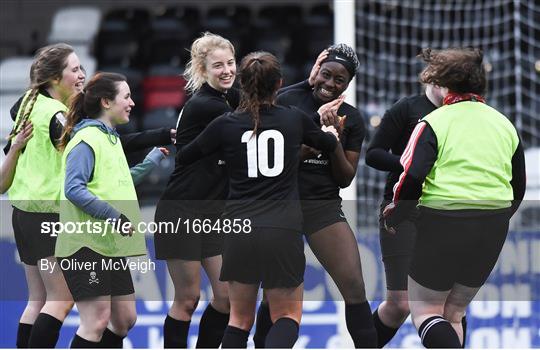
<point>257,153</point>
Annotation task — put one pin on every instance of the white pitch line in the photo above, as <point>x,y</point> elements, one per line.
<point>155,320</point>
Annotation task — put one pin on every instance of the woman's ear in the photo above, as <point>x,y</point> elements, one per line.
<point>444,91</point>
<point>105,103</point>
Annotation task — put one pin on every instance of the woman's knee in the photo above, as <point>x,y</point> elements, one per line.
<point>186,303</point>
<point>58,308</point>
<point>352,288</point>
<point>124,322</point>
<point>399,308</point>
<point>221,304</point>
<point>32,310</point>
<point>98,322</point>
<point>242,319</point>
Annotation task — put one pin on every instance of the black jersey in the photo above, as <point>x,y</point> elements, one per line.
<point>315,178</point>
<point>393,134</point>
<point>205,179</point>
<point>262,169</point>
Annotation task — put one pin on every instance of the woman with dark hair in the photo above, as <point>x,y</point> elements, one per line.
<point>383,153</point>
<point>464,167</point>
<point>56,75</point>
<point>260,143</point>
<point>320,178</point>
<point>98,191</point>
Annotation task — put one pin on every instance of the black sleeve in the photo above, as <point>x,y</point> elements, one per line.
<point>13,113</point>
<point>55,128</point>
<point>315,137</point>
<point>355,135</point>
<point>149,138</point>
<point>208,141</point>
<point>518,181</point>
<point>389,132</point>
<point>303,85</point>
<point>423,145</point>
<point>15,108</point>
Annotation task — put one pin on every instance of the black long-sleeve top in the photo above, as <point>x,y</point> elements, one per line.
<point>392,135</point>
<point>315,178</point>
<point>262,169</point>
<point>203,183</point>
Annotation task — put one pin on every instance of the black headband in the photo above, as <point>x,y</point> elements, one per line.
<point>345,62</point>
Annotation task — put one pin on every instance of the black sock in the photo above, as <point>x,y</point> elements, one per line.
<point>283,334</point>
<point>45,332</point>
<point>262,326</point>
<point>234,338</point>
<point>211,328</point>
<point>23,335</point>
<point>384,333</point>
<point>464,324</point>
<point>81,343</point>
<point>111,340</point>
<point>360,325</point>
<point>175,333</point>
<point>436,332</point>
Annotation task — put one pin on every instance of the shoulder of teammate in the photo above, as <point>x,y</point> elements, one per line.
<point>56,127</point>
<point>290,96</point>
<point>233,97</point>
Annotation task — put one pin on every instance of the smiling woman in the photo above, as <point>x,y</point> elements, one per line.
<point>95,171</point>
<point>34,193</point>
<point>196,192</point>
<point>321,176</point>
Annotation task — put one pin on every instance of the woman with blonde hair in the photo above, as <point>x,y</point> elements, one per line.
<point>261,144</point>
<point>196,192</point>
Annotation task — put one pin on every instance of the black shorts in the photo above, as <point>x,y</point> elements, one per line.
<point>319,214</point>
<point>186,242</point>
<point>32,243</point>
<point>89,274</point>
<point>460,250</point>
<point>271,256</point>
<point>396,251</point>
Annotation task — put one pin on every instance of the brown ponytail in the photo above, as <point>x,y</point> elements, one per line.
<point>260,74</point>
<point>75,114</point>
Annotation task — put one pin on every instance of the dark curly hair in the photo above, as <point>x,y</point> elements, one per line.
<point>459,69</point>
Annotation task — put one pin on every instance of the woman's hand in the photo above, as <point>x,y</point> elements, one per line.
<point>316,67</point>
<point>329,112</point>
<point>22,138</point>
<point>164,151</point>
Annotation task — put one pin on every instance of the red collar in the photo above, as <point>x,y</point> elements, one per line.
<point>453,97</point>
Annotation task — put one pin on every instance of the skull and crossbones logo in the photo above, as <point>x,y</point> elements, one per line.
<point>93,278</point>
